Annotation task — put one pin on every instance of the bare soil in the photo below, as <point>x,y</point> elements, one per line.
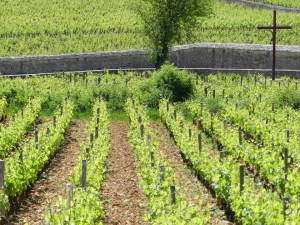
<point>52,182</point>
<point>122,197</point>
<point>185,178</point>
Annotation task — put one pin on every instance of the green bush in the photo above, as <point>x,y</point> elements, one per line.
<point>168,81</point>
<point>175,84</point>
<point>288,97</point>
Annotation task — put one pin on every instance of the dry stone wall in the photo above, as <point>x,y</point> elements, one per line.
<point>259,5</point>
<point>204,56</point>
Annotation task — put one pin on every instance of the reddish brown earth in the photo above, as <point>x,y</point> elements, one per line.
<point>53,181</point>
<point>123,199</point>
<point>185,178</point>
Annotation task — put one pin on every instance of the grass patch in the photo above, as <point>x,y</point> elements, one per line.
<point>153,114</point>
<point>119,116</point>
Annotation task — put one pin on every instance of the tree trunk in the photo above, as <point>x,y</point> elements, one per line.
<point>163,57</point>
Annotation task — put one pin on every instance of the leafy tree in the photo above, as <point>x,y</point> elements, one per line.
<point>166,22</point>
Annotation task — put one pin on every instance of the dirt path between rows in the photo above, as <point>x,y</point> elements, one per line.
<point>185,177</point>
<point>123,200</point>
<point>53,181</point>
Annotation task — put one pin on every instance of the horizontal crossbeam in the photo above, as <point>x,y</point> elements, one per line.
<point>272,27</point>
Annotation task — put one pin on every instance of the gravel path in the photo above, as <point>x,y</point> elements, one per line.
<point>122,198</point>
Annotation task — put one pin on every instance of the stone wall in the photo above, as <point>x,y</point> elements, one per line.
<point>204,56</point>
<point>259,5</point>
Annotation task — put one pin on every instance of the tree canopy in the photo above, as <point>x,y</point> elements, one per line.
<point>166,22</point>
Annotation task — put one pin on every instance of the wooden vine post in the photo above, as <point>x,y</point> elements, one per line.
<point>83,176</point>
<point>54,121</point>
<point>173,195</point>
<point>152,159</point>
<point>162,172</point>
<point>2,207</point>
<point>142,130</point>
<point>240,137</point>
<point>36,139</point>
<point>285,200</point>
<point>286,164</point>
<point>199,143</point>
<point>69,194</point>
<point>242,167</point>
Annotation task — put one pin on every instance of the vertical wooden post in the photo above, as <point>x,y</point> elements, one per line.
<point>96,132</point>
<point>287,116</point>
<point>54,121</point>
<point>69,194</point>
<point>259,138</point>
<point>83,176</point>
<point>273,107</point>
<point>201,108</point>
<point>199,143</point>
<point>22,111</point>
<point>259,97</point>
<point>225,124</point>
<point>162,172</point>
<point>221,155</point>
<point>139,119</point>
<point>148,139</point>
<point>199,124</point>
<point>48,131</point>
<point>36,136</point>
<point>265,82</point>
<point>240,137</point>
<point>286,165</point>
<point>36,139</point>
<point>168,106</point>
<point>223,93</point>
<point>214,93</point>
<point>98,112</point>
<point>152,159</point>
<point>142,131</point>
<point>91,138</point>
<point>61,110</point>
<point>2,168</point>
<point>173,195</point>
<point>242,179</point>
<point>87,151</point>
<point>98,121</point>
<point>285,200</point>
<point>190,133</point>
<point>175,115</point>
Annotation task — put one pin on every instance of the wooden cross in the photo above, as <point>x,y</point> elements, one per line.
<point>274,28</point>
